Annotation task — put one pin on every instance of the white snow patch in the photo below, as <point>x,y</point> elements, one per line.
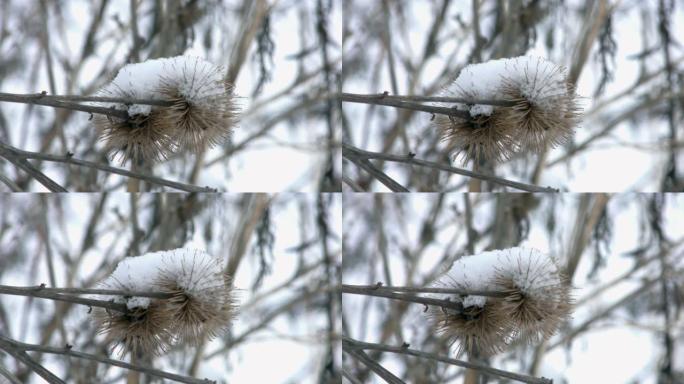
<point>192,269</point>
<point>532,271</point>
<point>196,79</point>
<point>540,81</point>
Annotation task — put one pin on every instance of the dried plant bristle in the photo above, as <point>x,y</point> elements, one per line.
<point>140,329</point>
<point>482,137</point>
<point>477,330</point>
<point>202,111</point>
<point>196,317</point>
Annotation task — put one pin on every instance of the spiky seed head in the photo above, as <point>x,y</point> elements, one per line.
<point>480,330</point>
<point>537,296</point>
<point>140,329</point>
<point>202,304</point>
<point>144,327</point>
<point>544,113</point>
<point>480,137</point>
<point>538,127</point>
<point>536,299</point>
<point>537,315</point>
<point>204,111</point>
<point>140,138</point>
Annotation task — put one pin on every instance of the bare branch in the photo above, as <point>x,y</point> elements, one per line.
<point>103,167</point>
<point>444,303</point>
<point>351,151</point>
<point>446,291</point>
<point>22,347</point>
<point>389,102</point>
<point>349,343</point>
<point>22,291</point>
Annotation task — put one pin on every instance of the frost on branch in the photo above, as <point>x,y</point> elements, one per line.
<point>537,300</point>
<point>544,111</point>
<point>202,111</point>
<point>201,302</point>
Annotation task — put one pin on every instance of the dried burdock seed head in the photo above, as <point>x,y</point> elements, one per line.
<point>139,330</point>
<point>531,299</point>
<point>537,296</point>
<point>544,111</point>
<point>204,112</point>
<point>481,137</point>
<point>201,300</point>
<point>137,139</point>
<point>478,330</point>
<point>201,110</point>
<point>202,304</point>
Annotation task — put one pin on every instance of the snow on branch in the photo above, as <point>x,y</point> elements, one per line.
<point>537,300</point>
<point>200,302</point>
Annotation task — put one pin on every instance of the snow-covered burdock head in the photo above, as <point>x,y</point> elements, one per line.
<point>541,109</point>
<point>202,303</point>
<point>531,301</point>
<point>201,109</point>
<point>198,300</point>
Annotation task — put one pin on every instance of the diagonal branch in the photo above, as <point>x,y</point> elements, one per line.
<point>20,347</point>
<point>4,148</point>
<point>351,151</point>
<point>352,344</point>
<point>27,167</point>
<point>379,370</point>
<point>381,176</point>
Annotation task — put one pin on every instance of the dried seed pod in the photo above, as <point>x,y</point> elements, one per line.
<point>481,137</point>
<point>202,110</point>
<point>544,111</point>
<point>202,304</point>
<point>140,138</point>
<point>537,296</point>
<point>145,327</point>
<point>532,300</point>
<point>480,330</point>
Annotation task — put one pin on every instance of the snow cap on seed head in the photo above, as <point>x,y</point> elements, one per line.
<point>202,109</point>
<point>536,299</point>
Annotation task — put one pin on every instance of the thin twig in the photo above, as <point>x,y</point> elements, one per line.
<point>444,303</point>
<point>389,102</point>
<point>89,291</point>
<point>379,370</point>
<point>22,291</point>
<point>103,167</point>
<point>360,345</point>
<point>9,346</point>
<point>381,176</point>
<point>67,351</point>
<point>351,151</point>
<point>40,99</point>
<point>446,291</point>
<point>20,162</point>
<point>437,99</point>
